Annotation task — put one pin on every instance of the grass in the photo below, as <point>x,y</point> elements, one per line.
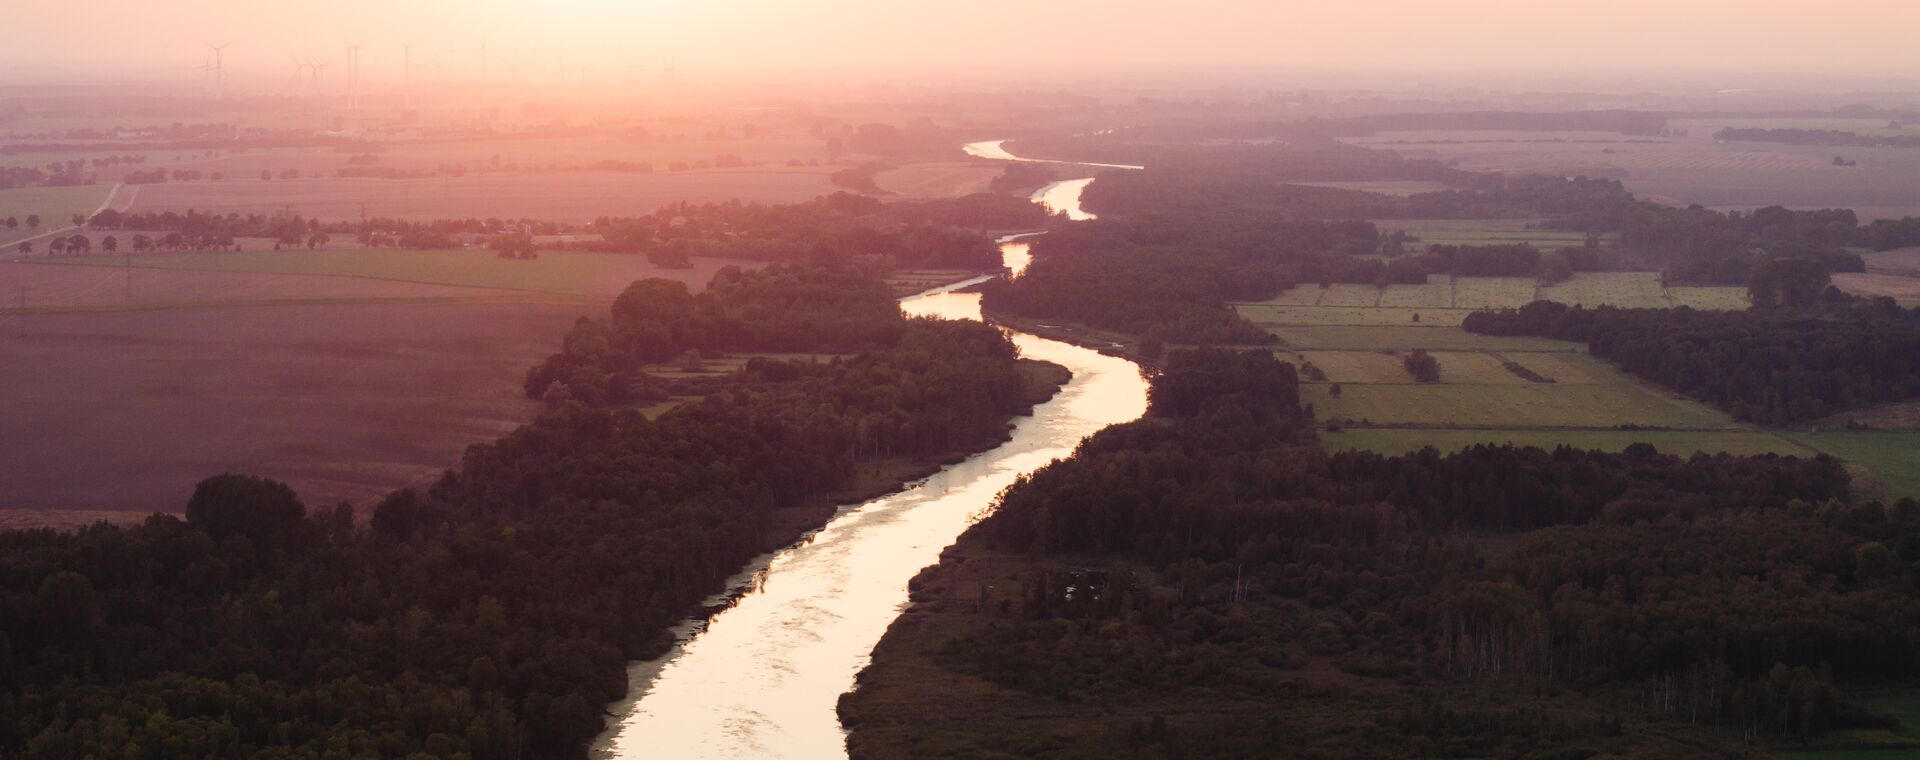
<point>1893,457</point>
<point>1483,232</point>
<point>1270,315</point>
<point>1598,405</point>
<point>1392,441</point>
<point>1903,705</point>
<point>576,273</point>
<point>1447,301</point>
<point>1639,290</point>
<point>1407,337</point>
<point>54,205</point>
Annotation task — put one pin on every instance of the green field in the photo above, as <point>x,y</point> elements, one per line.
<point>1600,404</point>
<point>1447,300</point>
<point>1404,337</point>
<point>1892,456</point>
<point>1634,290</point>
<point>55,206</point>
<point>1270,315</point>
<point>596,274</point>
<point>1392,441</point>
<point>1902,705</point>
<point>1484,232</point>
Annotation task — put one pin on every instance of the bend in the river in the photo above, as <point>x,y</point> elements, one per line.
<point>762,677</point>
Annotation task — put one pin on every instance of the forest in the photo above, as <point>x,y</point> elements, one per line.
<point>492,615</point>
<point>1174,277</point>
<point>1198,583</point>
<point>1770,366</point>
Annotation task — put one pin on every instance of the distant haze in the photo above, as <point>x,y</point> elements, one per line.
<point>162,40</point>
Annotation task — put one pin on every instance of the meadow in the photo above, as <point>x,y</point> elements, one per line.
<point>1393,441</point>
<point>54,205</point>
<point>1891,456</point>
<point>1478,399</point>
<point>37,287</point>
<point>1432,232</point>
<point>561,196</point>
<point>564,272</point>
<point>1446,300</point>
<point>1607,402</point>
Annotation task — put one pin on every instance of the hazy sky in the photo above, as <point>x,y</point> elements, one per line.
<point>53,37</point>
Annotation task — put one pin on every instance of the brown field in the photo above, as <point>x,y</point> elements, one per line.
<point>562,196</point>
<point>127,410</point>
<point>38,287</point>
<point>1900,287</point>
<point>1896,261</point>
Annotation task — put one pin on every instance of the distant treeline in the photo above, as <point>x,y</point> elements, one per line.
<point>1821,137</point>
<point>492,616</point>
<point>1772,366</point>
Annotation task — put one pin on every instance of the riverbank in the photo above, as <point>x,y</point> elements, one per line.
<point>874,479</point>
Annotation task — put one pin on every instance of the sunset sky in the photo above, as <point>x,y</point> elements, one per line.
<point>882,36</point>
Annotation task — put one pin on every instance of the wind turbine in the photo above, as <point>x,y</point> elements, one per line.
<point>631,66</point>
<point>353,75</point>
<point>219,60</point>
<point>513,71</point>
<point>483,61</point>
<point>407,74</point>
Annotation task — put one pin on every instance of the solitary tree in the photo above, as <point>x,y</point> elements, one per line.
<point>26,248</point>
<point>33,221</point>
<point>56,246</point>
<point>109,244</point>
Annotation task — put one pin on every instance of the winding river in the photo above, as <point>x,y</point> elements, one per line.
<point>761,678</point>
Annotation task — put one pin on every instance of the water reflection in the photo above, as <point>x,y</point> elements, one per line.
<point>763,677</point>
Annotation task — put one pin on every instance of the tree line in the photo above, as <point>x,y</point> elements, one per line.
<point>1184,575</point>
<point>1768,366</point>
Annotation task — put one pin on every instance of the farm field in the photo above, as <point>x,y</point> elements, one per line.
<point>127,410</point>
<point>1893,456</point>
<point>1483,232</point>
<point>1406,337</point>
<point>1904,288</point>
<point>1393,441</point>
<point>38,287</point>
<point>1885,182</point>
<point>1383,186</point>
<point>570,272</point>
<point>1533,405</point>
<point>1896,261</point>
<point>561,196</point>
<point>1445,301</point>
<point>54,205</point>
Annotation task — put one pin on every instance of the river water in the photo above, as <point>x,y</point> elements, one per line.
<point>761,679</point>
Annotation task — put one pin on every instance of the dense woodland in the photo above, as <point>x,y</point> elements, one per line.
<point>1772,366</point>
<point>491,616</point>
<point>1197,584</point>
<point>1174,277</point>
